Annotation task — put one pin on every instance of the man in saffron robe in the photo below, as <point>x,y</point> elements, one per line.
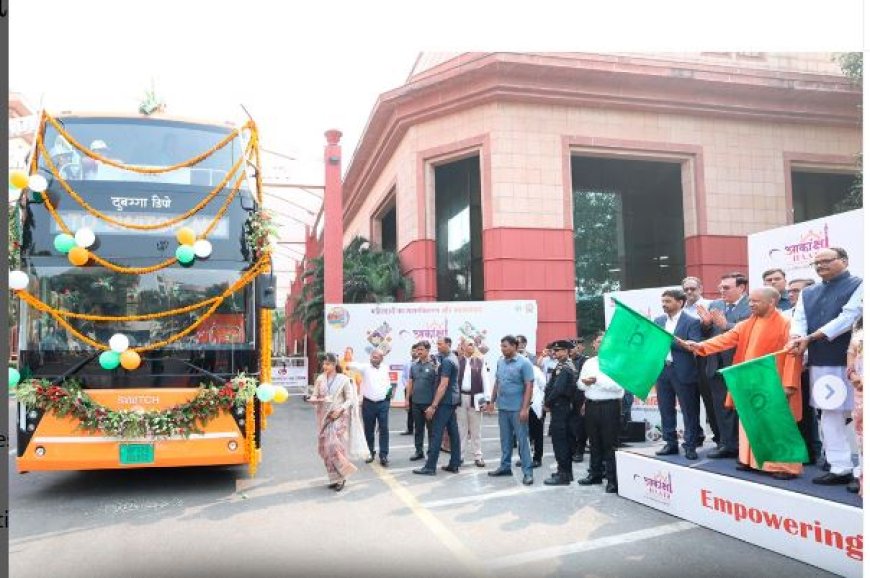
<point>766,331</point>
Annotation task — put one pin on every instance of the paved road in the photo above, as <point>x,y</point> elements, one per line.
<point>388,522</point>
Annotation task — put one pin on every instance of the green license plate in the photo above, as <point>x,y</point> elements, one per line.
<point>137,454</point>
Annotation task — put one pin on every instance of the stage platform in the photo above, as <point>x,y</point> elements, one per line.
<point>818,525</point>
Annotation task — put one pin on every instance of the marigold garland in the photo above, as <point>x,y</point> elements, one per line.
<point>261,266</point>
<point>40,145</point>
<point>140,169</point>
<point>70,400</point>
<point>250,439</point>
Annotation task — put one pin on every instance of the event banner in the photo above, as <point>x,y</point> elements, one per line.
<point>393,328</point>
<point>823,533</point>
<point>793,248</point>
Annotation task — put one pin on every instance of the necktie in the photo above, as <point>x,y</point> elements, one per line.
<point>729,308</point>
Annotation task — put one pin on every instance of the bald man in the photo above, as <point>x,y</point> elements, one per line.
<point>766,331</point>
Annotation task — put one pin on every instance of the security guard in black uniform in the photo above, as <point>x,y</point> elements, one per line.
<point>558,400</point>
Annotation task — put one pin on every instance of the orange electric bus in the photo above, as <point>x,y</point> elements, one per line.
<point>222,347</point>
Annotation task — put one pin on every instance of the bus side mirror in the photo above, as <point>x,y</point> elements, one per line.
<point>267,297</point>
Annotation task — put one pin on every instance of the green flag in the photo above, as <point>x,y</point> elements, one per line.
<point>763,409</point>
<point>633,351</point>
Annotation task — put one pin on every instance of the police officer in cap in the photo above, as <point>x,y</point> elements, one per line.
<point>558,400</point>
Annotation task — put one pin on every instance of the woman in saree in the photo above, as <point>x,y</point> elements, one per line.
<point>339,426</point>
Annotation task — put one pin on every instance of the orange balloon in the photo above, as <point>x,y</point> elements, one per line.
<point>78,256</point>
<point>186,236</point>
<point>130,359</point>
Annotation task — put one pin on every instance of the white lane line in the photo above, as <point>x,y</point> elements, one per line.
<point>489,496</point>
<point>589,545</point>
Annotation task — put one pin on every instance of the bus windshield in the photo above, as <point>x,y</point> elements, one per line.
<point>143,142</point>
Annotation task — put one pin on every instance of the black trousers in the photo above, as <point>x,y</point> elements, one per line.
<point>410,425</point>
<point>377,411</point>
<point>444,420</point>
<point>602,427</point>
<point>578,429</point>
<point>563,438</point>
<point>420,426</point>
<point>536,434</point>
<point>809,425</point>
<point>707,397</point>
<point>725,418</point>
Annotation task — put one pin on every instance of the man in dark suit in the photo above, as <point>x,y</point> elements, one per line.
<point>679,378</point>
<point>722,315</point>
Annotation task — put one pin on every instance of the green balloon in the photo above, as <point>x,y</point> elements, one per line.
<point>63,243</point>
<point>185,254</point>
<point>110,359</point>
<point>14,377</point>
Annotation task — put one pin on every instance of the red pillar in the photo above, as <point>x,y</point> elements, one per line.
<point>333,229</point>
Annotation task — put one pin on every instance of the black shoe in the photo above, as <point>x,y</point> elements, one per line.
<point>741,467</point>
<point>371,458</point>
<point>590,480</point>
<point>518,463</point>
<point>451,469</point>
<point>480,463</point>
<point>406,433</point>
<point>830,479</point>
<point>558,480</point>
<point>782,476</point>
<point>499,472</point>
<point>536,463</point>
<point>417,456</point>
<point>340,485</point>
<point>853,486</point>
<point>385,461</point>
<point>700,441</point>
<point>691,454</point>
<point>528,480</point>
<point>424,471</point>
<point>668,450</point>
<point>577,458</point>
<point>332,486</point>
<point>723,453</point>
<point>611,487</point>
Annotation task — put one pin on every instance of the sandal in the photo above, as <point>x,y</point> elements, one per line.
<point>340,486</point>
<point>332,485</point>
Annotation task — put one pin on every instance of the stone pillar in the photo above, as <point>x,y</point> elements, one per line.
<point>333,230</point>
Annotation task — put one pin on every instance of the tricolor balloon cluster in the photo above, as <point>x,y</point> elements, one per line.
<point>267,392</point>
<point>190,247</point>
<point>119,353</point>
<point>36,183</point>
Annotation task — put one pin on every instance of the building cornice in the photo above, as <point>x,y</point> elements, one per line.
<point>594,80</point>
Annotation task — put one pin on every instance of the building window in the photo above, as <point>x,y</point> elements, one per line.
<point>815,195</point>
<point>628,230</point>
<point>459,228</point>
<point>384,233</point>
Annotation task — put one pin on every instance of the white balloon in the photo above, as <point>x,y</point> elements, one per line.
<point>37,183</point>
<point>202,248</point>
<point>119,343</point>
<point>18,280</point>
<point>85,237</point>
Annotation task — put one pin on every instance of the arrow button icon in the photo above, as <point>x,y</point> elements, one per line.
<point>830,391</point>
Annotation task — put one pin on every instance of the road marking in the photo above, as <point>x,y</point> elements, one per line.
<point>588,545</point>
<point>444,535</point>
<point>489,496</point>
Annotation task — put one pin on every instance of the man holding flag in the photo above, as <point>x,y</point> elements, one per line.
<point>776,444</point>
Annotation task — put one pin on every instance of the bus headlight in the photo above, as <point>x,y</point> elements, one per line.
<point>31,427</point>
<point>241,423</point>
<point>39,451</point>
<point>233,446</point>
<point>240,411</point>
<point>32,414</point>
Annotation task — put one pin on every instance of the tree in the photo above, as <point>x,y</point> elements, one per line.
<point>369,277</point>
<point>852,65</point>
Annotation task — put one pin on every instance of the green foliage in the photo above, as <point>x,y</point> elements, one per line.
<point>596,253</point>
<point>260,230</point>
<point>852,65</point>
<point>70,400</point>
<point>369,277</point>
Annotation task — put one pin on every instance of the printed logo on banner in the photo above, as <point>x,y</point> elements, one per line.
<point>801,254</point>
<point>658,487</point>
<point>338,317</point>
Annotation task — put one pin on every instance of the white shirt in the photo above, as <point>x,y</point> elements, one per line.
<point>466,376</point>
<point>836,327</point>
<point>670,327</point>
<point>540,383</point>
<point>375,381</point>
<point>603,388</point>
<point>693,308</point>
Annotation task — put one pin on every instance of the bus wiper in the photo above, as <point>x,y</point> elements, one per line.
<point>204,371</point>
<point>75,368</point>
